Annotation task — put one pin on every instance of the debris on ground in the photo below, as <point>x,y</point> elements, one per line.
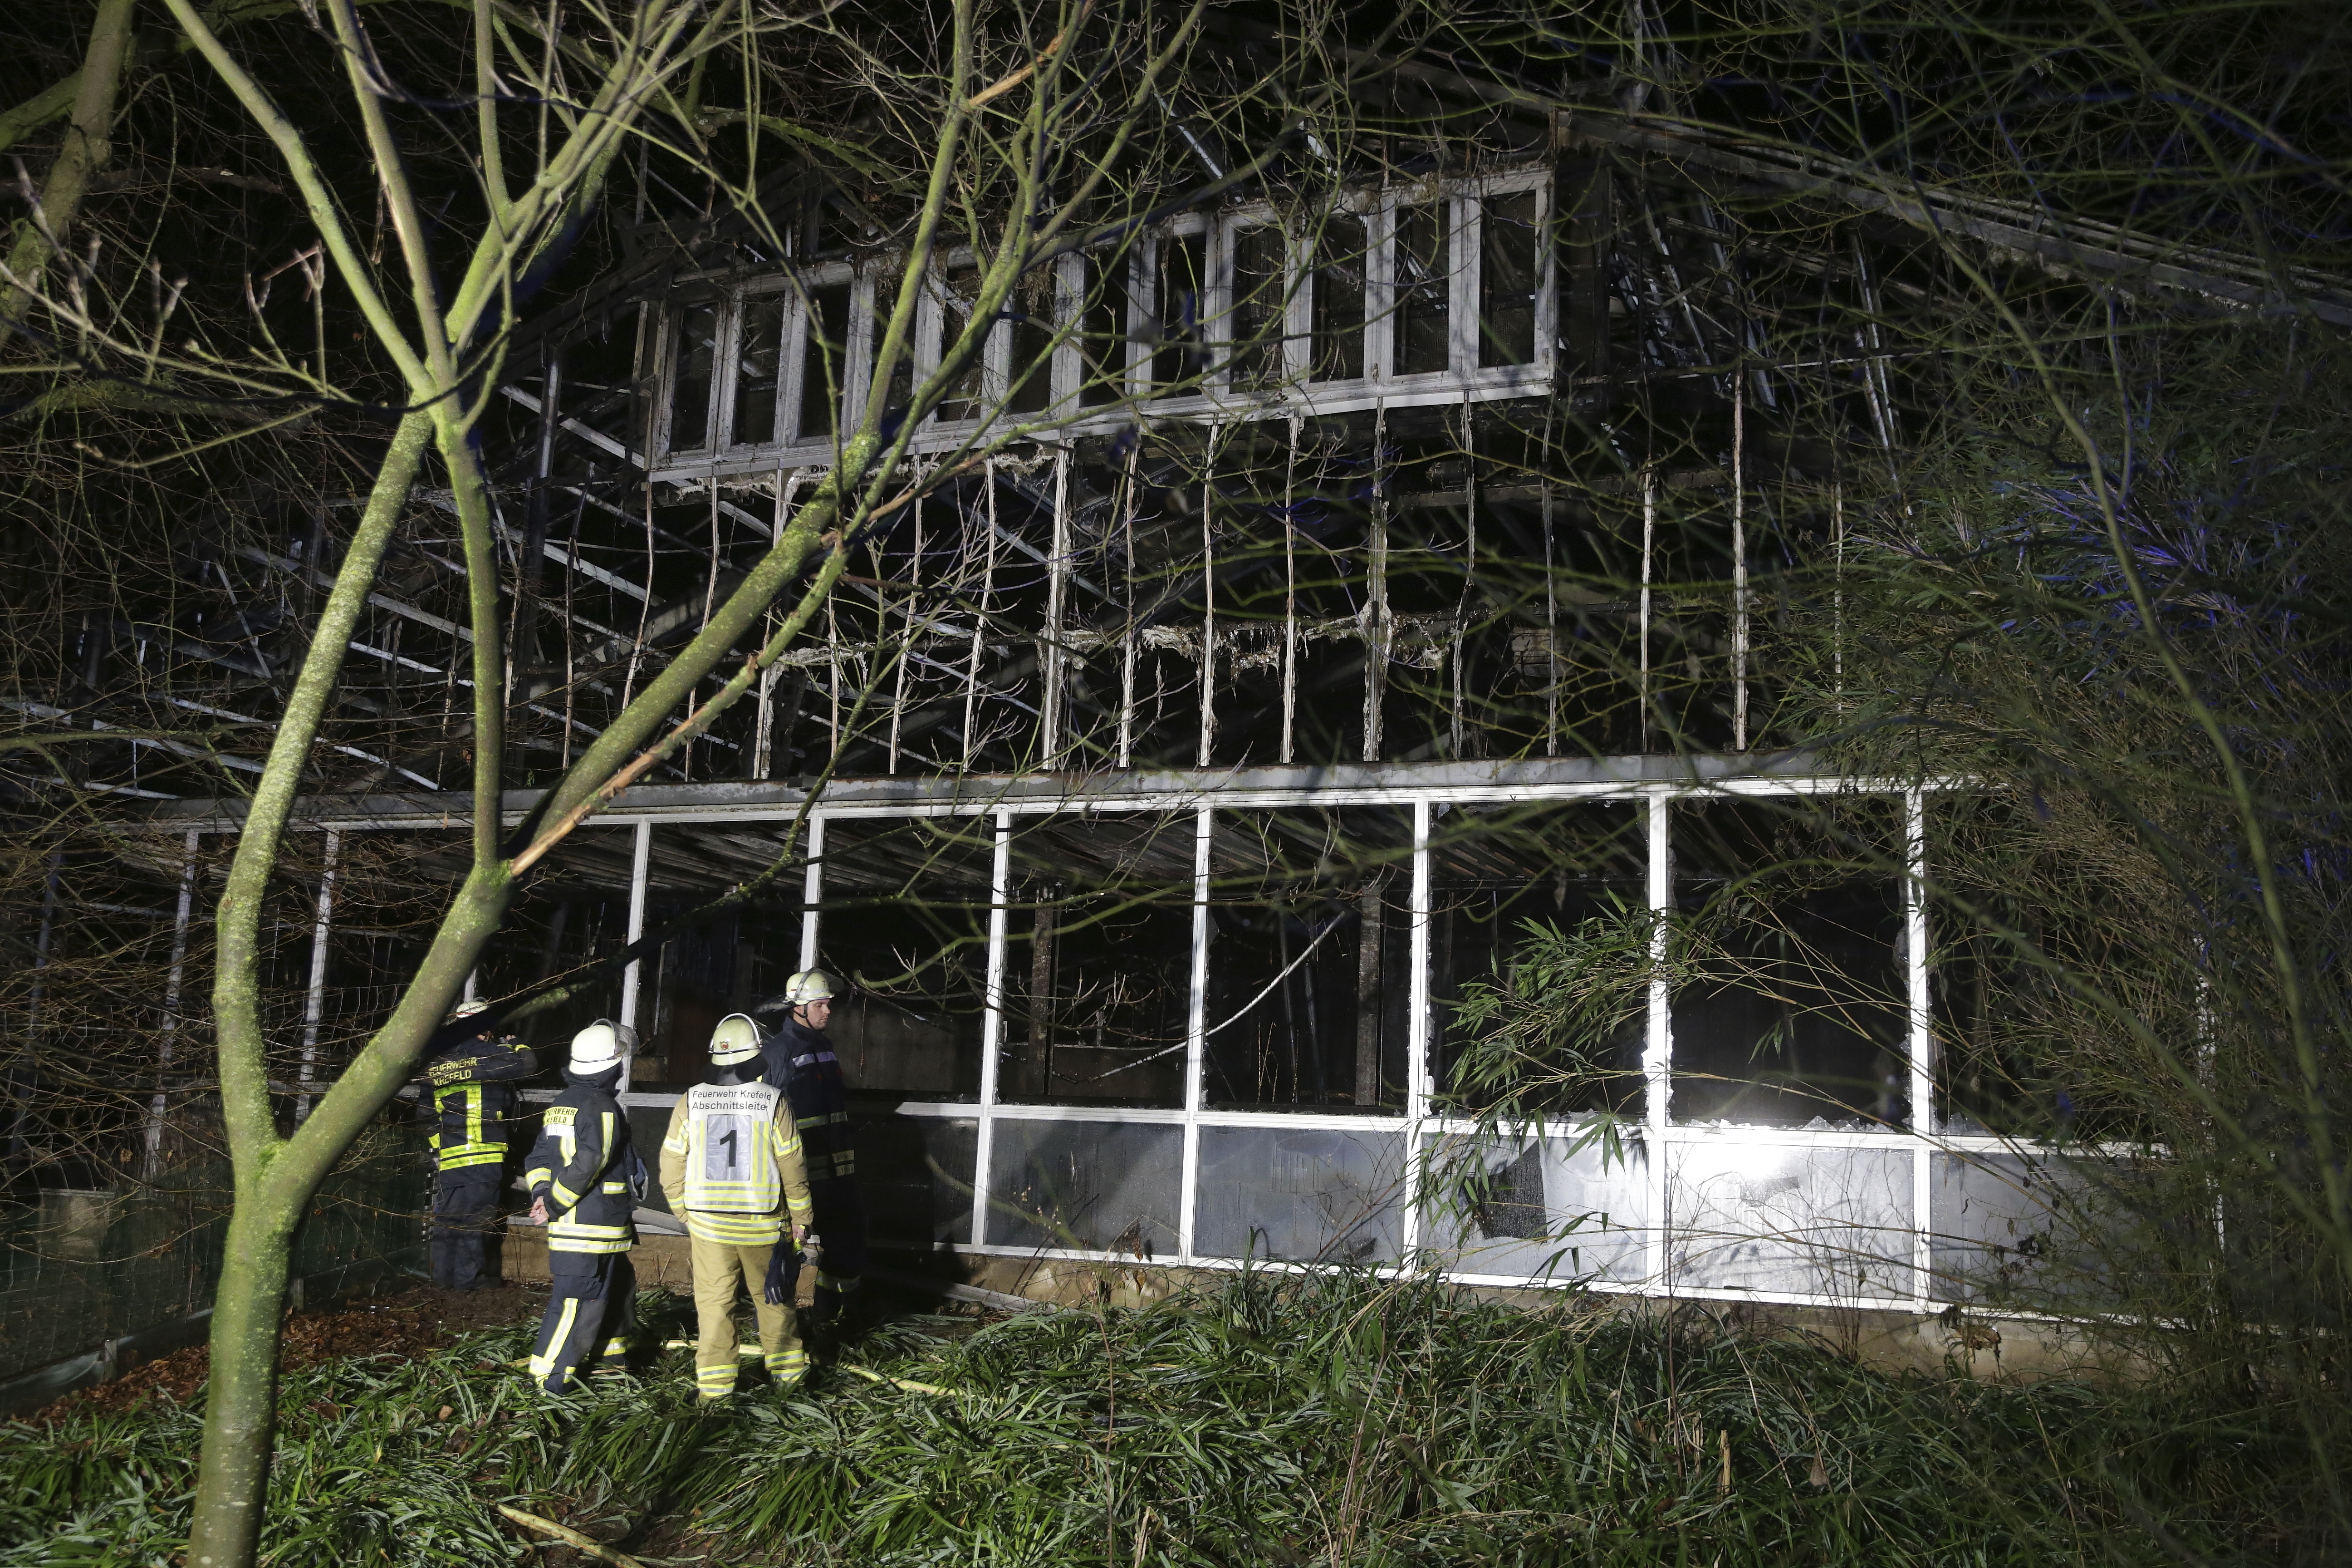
<point>407,1322</point>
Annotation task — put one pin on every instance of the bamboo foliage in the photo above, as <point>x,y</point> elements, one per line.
<point>1332,1419</point>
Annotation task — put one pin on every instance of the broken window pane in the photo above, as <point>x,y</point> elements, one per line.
<point>565,929</point>
<point>1793,1010</point>
<point>1031,377</point>
<point>1097,960</point>
<point>1572,682</point>
<point>1163,580</point>
<point>1253,588</point>
<point>1992,1051</point>
<point>901,386</point>
<point>915,1175</point>
<point>1094,1186</point>
<point>1102,342</point>
<point>905,936</point>
<point>1326,579</point>
<point>960,287</point>
<point>689,406</point>
<point>759,364</point>
<point>1746,1215</point>
<point>390,891</point>
<point>825,362</point>
<point>597,390</point>
<point>1340,250</point>
<point>1422,269</point>
<point>1182,284</point>
<point>1540,1208</point>
<point>1691,694</point>
<point>1260,258</point>
<point>1538,956</point>
<point>1302,1194</point>
<point>1996,996</point>
<point>711,962</point>
<point>1309,959</point>
<point>1506,279</point>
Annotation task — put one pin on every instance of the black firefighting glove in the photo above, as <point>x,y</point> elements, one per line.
<point>783,1272</point>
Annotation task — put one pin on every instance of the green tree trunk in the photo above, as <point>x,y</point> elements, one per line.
<point>275,1175</point>
<point>241,1400</point>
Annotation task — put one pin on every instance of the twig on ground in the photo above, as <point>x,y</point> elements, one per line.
<point>569,1537</point>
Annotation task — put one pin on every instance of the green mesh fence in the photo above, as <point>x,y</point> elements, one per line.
<point>78,1268</point>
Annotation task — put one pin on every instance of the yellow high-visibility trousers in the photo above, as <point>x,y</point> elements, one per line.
<point>720,1270</point>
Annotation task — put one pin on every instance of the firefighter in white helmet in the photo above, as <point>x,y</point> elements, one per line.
<point>799,1059</point>
<point>730,1167</point>
<point>586,1180</point>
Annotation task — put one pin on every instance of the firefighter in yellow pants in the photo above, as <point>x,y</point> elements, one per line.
<point>730,1167</point>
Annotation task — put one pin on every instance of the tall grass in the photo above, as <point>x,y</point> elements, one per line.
<point>1338,1419</point>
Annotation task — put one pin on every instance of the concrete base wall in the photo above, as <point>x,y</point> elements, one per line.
<point>1966,1344</point>
<point>659,1260</point>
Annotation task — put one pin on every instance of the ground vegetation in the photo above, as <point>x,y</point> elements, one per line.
<point>1333,1420</point>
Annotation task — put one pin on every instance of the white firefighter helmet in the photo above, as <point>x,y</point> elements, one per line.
<point>600,1044</point>
<point>736,1039</point>
<point>467,1010</point>
<point>808,985</point>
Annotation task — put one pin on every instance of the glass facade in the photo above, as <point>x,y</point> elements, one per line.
<point>1150,1028</point>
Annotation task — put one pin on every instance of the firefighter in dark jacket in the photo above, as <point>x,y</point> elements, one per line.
<point>799,1061</point>
<point>466,1103</point>
<point>586,1180</point>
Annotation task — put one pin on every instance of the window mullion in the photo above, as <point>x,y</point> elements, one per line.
<point>1298,307</point>
<point>1547,282</point>
<point>1920,1031</point>
<point>1462,288</point>
<point>789,375</point>
<point>669,335</point>
<point>991,1029</point>
<point>633,977</point>
<point>1657,1055</point>
<point>859,351</point>
<point>1217,307</point>
<point>930,318</point>
<point>996,359</point>
<point>724,360</point>
<point>1195,1037</point>
<point>1143,317</point>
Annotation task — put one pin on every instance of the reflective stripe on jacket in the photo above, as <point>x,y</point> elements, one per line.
<point>580,1168</point>
<point>480,1127</point>
<point>730,1163</point>
<point>800,1061</point>
<point>467,1101</point>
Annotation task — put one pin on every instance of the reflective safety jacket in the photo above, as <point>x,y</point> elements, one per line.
<point>467,1101</point>
<point>800,1061</point>
<point>581,1166</point>
<point>730,1165</point>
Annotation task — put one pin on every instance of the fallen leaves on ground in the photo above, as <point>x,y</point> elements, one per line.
<point>408,1323</point>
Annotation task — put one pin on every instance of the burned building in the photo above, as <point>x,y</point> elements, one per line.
<point>1318,594</point>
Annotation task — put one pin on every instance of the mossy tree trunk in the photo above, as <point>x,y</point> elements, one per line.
<point>43,233</point>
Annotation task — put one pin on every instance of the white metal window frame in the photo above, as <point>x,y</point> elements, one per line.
<point>1292,395</point>
<point>1418,1122</point>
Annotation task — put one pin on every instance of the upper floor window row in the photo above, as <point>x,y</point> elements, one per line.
<point>1403,296</point>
